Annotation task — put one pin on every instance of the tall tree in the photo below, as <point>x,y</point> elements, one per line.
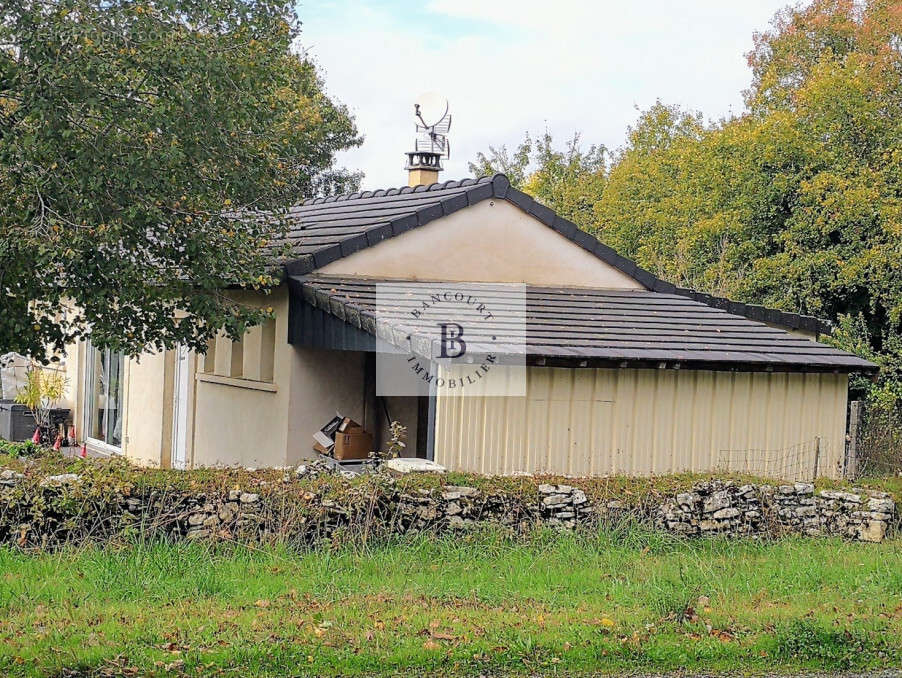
<point>798,202</point>
<point>569,181</point>
<point>140,140</point>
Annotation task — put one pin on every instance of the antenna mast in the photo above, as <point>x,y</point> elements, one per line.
<point>433,121</point>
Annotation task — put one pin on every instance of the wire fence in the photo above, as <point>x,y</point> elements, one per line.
<point>796,463</point>
<point>875,444</point>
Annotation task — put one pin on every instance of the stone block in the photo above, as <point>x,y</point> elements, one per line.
<point>872,531</point>
<point>881,505</point>
<point>555,500</point>
<point>718,500</point>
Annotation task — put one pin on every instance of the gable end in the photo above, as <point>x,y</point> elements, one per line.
<point>498,187</point>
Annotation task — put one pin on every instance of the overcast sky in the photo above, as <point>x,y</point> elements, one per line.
<point>508,66</point>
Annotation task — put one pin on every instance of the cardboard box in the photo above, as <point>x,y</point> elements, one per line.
<point>343,438</point>
<point>353,443</point>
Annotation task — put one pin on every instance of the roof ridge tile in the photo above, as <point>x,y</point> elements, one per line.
<point>396,190</point>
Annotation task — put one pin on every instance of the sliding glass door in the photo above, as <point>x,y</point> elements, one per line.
<point>103,397</point>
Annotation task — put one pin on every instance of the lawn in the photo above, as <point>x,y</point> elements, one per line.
<point>615,600</point>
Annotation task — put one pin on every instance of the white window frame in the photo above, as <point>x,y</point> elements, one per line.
<point>90,376</point>
<point>180,413</point>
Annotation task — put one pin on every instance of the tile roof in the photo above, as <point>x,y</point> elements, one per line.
<point>323,230</point>
<point>594,327</point>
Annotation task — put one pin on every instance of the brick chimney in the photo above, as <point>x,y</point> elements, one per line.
<point>423,167</point>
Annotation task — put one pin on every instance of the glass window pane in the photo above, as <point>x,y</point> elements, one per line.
<point>114,369</point>
<point>103,397</point>
<point>95,396</point>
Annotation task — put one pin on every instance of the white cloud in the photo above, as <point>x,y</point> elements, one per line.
<point>508,66</point>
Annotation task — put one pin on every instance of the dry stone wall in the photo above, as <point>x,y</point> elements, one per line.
<point>719,507</point>
<point>67,508</point>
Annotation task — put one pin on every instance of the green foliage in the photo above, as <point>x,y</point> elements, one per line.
<point>795,204</point>
<point>16,449</point>
<point>138,139</point>
<point>397,442</point>
<point>569,181</point>
<point>42,390</point>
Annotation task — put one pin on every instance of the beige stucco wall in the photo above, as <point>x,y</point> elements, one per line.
<point>645,422</point>
<point>323,383</point>
<point>493,241</point>
<point>146,409</point>
<point>242,421</point>
<point>230,421</point>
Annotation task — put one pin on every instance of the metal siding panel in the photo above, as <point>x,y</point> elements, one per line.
<point>739,414</point>
<point>579,460</point>
<point>475,427</point>
<point>617,378</point>
<point>443,431</point>
<point>560,452</point>
<point>624,418</point>
<point>665,421</point>
<point>683,432</point>
<point>792,434</point>
<point>834,420</point>
<point>538,393</point>
<point>776,408</point>
<point>603,384</point>
<point>637,422</point>
<point>558,455</point>
<point>518,450</point>
<point>757,414</point>
<point>720,419</point>
<point>495,413</point>
<point>701,418</point>
<point>644,425</point>
<point>447,432</point>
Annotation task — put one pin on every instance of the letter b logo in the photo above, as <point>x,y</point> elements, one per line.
<point>453,346</point>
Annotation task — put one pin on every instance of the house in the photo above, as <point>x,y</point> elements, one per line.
<point>622,372</point>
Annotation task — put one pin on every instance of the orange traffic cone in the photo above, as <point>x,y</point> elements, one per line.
<point>36,438</point>
<point>57,445</point>
<point>84,451</point>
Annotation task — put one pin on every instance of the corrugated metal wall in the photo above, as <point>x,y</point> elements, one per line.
<point>643,422</point>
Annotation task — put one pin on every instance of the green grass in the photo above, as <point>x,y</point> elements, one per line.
<point>612,601</point>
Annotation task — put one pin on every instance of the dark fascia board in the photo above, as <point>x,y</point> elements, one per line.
<point>710,365</point>
<point>364,320</point>
<point>498,186</point>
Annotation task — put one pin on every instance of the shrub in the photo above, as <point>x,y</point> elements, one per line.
<point>13,449</point>
<point>880,438</point>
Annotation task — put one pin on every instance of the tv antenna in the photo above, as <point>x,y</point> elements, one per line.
<point>433,122</point>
